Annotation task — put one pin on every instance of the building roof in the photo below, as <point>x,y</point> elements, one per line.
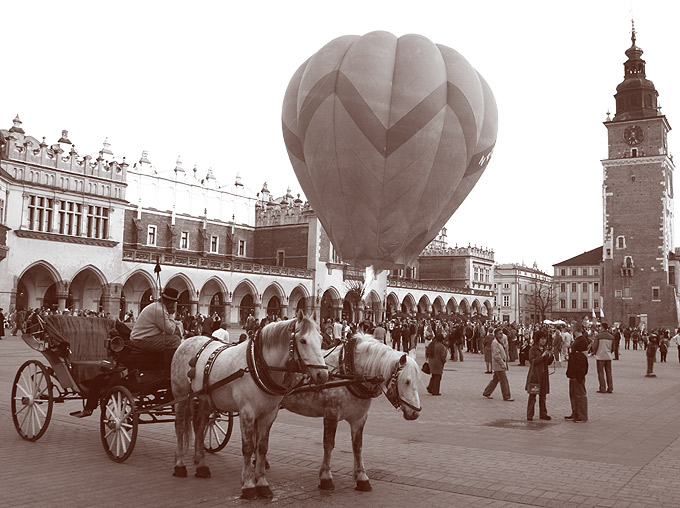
<point>592,257</point>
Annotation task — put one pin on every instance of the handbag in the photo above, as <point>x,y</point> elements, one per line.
<point>426,368</point>
<point>534,388</point>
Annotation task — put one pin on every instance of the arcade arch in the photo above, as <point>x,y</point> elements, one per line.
<point>330,301</point>
<point>187,302</point>
<point>272,299</point>
<point>213,297</point>
<point>372,310</point>
<point>452,307</point>
<point>408,304</point>
<point>299,301</point>
<point>392,305</point>
<point>438,306</point>
<point>243,302</point>
<point>33,285</point>
<point>424,305</point>
<point>138,292</point>
<point>86,289</point>
<point>464,307</point>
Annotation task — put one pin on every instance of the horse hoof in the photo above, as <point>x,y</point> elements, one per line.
<point>266,464</point>
<point>180,472</point>
<point>327,484</point>
<point>249,493</point>
<point>363,486</point>
<point>264,491</point>
<point>201,472</point>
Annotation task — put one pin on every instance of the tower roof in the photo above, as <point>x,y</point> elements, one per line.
<point>592,257</point>
<point>636,96</point>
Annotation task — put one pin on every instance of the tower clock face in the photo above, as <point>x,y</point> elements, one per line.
<point>633,135</point>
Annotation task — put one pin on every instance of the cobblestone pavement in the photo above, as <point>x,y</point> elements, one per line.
<point>464,450</point>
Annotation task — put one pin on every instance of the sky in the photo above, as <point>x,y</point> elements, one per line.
<point>205,80</point>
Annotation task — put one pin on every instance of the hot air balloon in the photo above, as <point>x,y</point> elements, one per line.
<point>387,136</point>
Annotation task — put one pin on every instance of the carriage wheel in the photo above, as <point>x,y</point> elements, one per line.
<point>218,431</point>
<point>118,423</point>
<point>32,400</point>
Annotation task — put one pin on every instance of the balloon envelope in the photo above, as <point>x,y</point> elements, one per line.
<point>387,137</point>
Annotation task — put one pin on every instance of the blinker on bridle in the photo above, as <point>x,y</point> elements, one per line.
<point>392,390</point>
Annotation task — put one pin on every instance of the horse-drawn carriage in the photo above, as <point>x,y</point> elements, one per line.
<point>86,360</point>
<point>93,358</point>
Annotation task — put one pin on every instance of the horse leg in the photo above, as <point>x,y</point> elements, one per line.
<point>201,411</point>
<point>183,434</point>
<point>248,441</point>
<point>360,476</point>
<point>330,425</point>
<point>264,425</point>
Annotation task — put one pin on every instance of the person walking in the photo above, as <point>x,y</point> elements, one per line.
<point>539,359</point>
<point>577,369</point>
<point>499,365</point>
<point>602,348</point>
<point>435,355</point>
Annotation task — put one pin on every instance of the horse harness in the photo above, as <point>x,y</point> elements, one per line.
<point>372,389</point>
<point>257,366</point>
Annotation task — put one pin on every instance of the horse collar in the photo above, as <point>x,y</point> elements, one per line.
<point>347,366</point>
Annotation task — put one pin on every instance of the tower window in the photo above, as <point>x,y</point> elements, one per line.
<point>634,152</point>
<point>656,295</point>
<point>620,242</point>
<point>632,178</point>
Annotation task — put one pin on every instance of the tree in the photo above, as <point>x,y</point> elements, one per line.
<point>355,293</point>
<point>540,299</point>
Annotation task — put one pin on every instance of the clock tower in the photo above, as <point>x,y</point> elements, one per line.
<point>639,287</point>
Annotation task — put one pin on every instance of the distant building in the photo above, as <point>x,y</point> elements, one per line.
<point>578,287</point>
<point>523,295</point>
<point>639,264</point>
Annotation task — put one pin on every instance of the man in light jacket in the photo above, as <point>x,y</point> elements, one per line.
<point>499,366</point>
<point>603,346</point>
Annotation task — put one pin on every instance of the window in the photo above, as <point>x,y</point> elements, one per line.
<point>585,287</point>
<point>98,222</point>
<point>596,287</point>
<point>596,271</point>
<point>618,293</point>
<point>655,294</point>
<point>2,211</point>
<point>184,240</point>
<point>585,271</point>
<point>151,235</point>
<point>241,247</point>
<point>596,304</point>
<point>70,218</point>
<point>280,257</point>
<point>563,287</point>
<point>620,242</point>
<point>573,304</point>
<point>40,213</point>
<point>563,304</point>
<point>506,300</point>
<point>563,272</point>
<point>573,272</point>
<point>506,285</point>
<point>214,243</point>
<point>671,271</point>
<point>573,287</point>
<point>584,304</point>
<point>628,262</point>
<point>626,292</point>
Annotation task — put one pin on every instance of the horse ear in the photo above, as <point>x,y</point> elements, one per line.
<point>402,360</point>
<point>300,316</point>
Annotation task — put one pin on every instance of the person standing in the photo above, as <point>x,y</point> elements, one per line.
<point>651,354</point>
<point>602,347</point>
<point>617,341</point>
<point>635,337</point>
<point>2,324</point>
<point>380,333</point>
<point>577,369</point>
<point>487,351</point>
<point>435,355</point>
<point>539,359</point>
<point>499,365</point>
<point>663,345</point>
<point>676,342</point>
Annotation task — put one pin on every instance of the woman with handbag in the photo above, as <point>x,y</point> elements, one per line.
<point>537,378</point>
<point>435,356</point>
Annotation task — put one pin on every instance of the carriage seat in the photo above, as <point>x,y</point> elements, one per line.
<point>127,353</point>
<point>86,338</point>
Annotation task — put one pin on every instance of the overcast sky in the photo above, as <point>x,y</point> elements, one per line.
<point>205,81</point>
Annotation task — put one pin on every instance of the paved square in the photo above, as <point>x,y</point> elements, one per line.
<point>464,450</point>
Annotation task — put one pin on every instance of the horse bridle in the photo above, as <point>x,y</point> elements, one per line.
<point>392,388</point>
<point>259,370</point>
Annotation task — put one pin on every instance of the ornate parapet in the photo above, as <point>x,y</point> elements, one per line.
<point>280,214</point>
<point>209,263</point>
<point>410,284</point>
<point>55,237</point>
<point>477,252</point>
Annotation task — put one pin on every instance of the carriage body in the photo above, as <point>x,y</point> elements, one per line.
<point>94,357</point>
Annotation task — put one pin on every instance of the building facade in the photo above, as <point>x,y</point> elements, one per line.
<point>578,287</point>
<point>638,214</point>
<point>523,295</point>
<point>83,233</point>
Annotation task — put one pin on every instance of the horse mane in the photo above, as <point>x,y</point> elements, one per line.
<point>376,358</point>
<point>277,333</point>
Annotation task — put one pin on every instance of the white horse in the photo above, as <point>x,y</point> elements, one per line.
<point>367,357</point>
<point>249,377</point>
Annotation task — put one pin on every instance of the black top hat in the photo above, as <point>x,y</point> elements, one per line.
<point>170,294</point>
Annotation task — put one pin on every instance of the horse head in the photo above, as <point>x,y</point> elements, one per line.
<point>307,343</point>
<point>402,387</point>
